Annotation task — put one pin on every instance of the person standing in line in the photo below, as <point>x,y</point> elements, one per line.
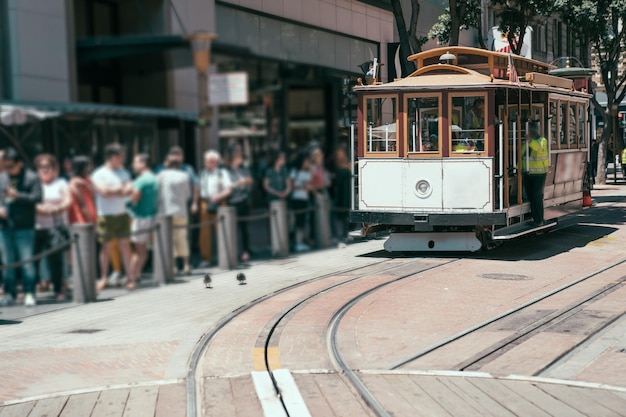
<point>301,182</point>
<point>176,153</point>
<point>175,191</point>
<point>20,192</point>
<point>144,207</point>
<point>276,179</point>
<point>113,185</point>
<point>342,192</point>
<point>215,188</point>
<point>83,206</point>
<point>242,183</point>
<point>51,212</point>
<point>535,166</point>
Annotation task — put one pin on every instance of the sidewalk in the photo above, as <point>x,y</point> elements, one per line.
<point>145,336</point>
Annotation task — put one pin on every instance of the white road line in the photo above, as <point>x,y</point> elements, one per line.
<point>291,395</point>
<point>272,407</point>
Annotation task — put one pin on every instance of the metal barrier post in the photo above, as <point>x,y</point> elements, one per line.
<point>84,262</point>
<point>322,221</point>
<point>162,253</point>
<point>279,232</point>
<point>227,237</point>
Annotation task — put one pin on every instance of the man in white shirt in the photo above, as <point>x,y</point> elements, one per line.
<point>175,192</point>
<point>215,187</point>
<point>113,185</point>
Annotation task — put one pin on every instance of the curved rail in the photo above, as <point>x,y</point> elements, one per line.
<point>332,330</point>
<point>507,313</point>
<point>192,399</point>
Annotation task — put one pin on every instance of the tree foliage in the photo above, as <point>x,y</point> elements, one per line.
<point>600,25</point>
<point>460,15</point>
<point>517,15</point>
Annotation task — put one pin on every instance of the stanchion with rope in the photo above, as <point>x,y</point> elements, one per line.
<point>227,237</point>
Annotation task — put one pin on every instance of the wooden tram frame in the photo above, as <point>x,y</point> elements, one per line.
<point>475,73</point>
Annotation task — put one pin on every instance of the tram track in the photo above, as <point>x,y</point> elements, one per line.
<point>530,329</point>
<point>193,403</point>
<point>332,329</point>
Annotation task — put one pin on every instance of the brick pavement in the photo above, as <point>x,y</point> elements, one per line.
<point>164,323</point>
<point>146,337</point>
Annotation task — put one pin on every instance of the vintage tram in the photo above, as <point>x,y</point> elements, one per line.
<point>440,151</point>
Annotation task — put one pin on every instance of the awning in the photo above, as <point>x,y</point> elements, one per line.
<point>14,112</point>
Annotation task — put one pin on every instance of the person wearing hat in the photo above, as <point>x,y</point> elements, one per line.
<point>535,166</point>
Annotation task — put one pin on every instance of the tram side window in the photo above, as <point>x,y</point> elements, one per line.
<point>553,120</point>
<point>563,124</point>
<point>381,124</point>
<point>573,128</point>
<point>582,139</point>
<point>468,124</point>
<point>423,124</point>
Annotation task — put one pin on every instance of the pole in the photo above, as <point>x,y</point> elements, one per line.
<point>162,254</point>
<point>227,237</point>
<point>203,103</point>
<point>84,261</point>
<point>614,146</point>
<point>322,221</point>
<point>279,228</point>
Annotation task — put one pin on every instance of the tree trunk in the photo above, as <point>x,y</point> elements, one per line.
<point>601,174</point>
<point>603,148</point>
<point>455,23</point>
<point>479,28</point>
<point>405,46</point>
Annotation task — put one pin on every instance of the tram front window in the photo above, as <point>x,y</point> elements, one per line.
<point>423,124</point>
<point>468,124</point>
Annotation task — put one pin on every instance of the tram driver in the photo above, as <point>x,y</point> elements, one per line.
<point>535,166</point>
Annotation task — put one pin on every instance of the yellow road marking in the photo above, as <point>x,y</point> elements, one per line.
<point>272,356</point>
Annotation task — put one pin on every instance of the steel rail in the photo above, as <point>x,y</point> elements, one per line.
<point>332,330</point>
<point>501,316</point>
<point>192,397</point>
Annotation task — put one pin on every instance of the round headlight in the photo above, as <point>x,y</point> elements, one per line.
<point>423,189</point>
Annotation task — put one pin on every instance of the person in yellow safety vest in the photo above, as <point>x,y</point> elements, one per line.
<point>461,146</point>
<point>535,167</point>
<point>624,163</point>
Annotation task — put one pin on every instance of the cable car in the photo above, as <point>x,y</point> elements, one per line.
<point>440,151</point>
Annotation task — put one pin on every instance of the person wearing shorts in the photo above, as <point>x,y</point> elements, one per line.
<point>175,191</point>
<point>144,206</point>
<point>112,184</point>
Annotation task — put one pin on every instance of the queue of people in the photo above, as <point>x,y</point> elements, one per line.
<point>36,205</point>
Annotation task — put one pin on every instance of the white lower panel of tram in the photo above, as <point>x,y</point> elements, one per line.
<point>419,242</point>
<point>434,185</point>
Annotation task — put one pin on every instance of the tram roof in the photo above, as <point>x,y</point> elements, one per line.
<point>476,70</point>
<point>481,59</point>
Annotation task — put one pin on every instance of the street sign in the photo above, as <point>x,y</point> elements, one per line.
<point>228,89</point>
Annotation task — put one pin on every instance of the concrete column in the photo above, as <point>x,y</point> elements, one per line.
<point>227,237</point>
<point>322,221</point>
<point>84,262</point>
<point>162,252</point>
<point>279,229</point>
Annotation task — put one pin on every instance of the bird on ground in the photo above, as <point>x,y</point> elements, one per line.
<point>241,278</point>
<point>207,280</point>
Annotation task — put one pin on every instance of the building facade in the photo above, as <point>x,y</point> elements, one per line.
<point>77,74</point>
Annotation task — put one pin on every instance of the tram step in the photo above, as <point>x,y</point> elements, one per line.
<point>521,229</point>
